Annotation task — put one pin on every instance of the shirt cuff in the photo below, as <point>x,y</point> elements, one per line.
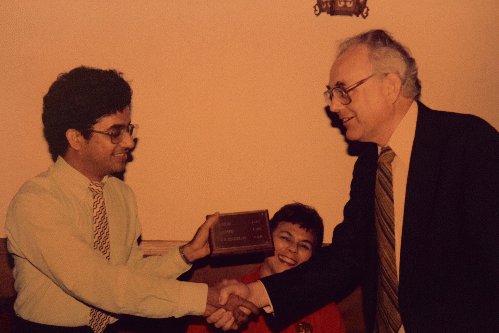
<point>269,308</point>
<point>192,299</point>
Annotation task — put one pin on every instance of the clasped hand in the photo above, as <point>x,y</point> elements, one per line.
<point>230,311</point>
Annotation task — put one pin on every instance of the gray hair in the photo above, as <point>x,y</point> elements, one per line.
<point>388,56</point>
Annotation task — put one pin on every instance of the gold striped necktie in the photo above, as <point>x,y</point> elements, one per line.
<point>387,316</point>
<point>98,319</point>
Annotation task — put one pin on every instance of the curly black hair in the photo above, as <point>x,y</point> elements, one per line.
<point>77,100</point>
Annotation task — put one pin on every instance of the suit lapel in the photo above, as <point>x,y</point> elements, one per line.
<point>420,191</point>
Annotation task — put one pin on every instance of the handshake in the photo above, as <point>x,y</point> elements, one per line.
<point>228,304</point>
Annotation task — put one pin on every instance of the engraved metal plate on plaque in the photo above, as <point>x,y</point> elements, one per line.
<point>241,233</point>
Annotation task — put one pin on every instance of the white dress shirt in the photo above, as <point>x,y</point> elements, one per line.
<point>401,143</point>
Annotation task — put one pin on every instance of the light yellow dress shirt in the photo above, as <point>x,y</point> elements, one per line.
<point>59,275</point>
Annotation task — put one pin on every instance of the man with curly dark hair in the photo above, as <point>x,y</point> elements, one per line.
<point>73,230</point>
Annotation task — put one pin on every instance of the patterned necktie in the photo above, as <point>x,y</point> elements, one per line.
<point>99,319</point>
<point>388,316</point>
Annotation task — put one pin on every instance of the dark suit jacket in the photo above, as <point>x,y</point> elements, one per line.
<point>449,266</point>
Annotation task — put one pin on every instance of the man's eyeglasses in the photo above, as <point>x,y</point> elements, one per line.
<point>341,93</point>
<point>117,134</point>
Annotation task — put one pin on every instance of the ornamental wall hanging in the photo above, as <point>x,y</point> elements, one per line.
<point>342,7</point>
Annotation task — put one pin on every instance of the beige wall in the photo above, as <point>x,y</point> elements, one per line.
<point>228,94</point>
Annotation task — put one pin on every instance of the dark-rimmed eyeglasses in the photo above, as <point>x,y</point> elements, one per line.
<point>341,94</point>
<point>117,134</point>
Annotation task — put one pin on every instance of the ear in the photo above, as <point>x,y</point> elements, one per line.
<point>392,86</point>
<point>75,138</point>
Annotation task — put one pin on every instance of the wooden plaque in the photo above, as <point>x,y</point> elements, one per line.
<point>241,233</point>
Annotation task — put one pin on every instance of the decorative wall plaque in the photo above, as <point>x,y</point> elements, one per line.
<point>342,7</point>
<point>241,233</point>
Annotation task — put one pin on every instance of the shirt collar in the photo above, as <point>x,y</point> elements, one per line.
<point>402,139</point>
<point>71,175</point>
